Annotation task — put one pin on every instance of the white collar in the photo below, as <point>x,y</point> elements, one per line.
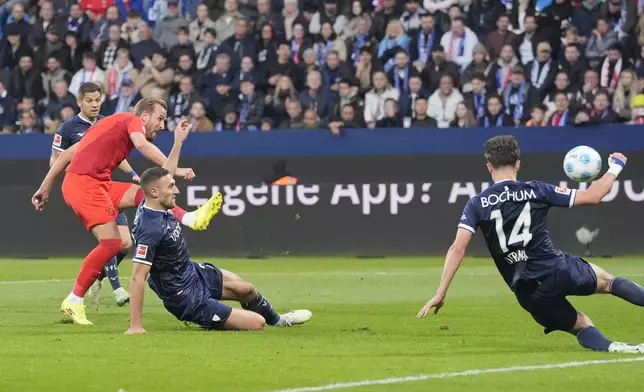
<point>507,179</point>
<point>86,120</point>
<point>4,94</point>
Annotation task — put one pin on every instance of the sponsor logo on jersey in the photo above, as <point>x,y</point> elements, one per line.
<point>57,140</point>
<point>563,191</point>
<point>141,251</point>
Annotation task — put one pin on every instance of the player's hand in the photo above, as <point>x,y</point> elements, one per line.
<point>135,330</point>
<point>39,199</point>
<point>182,130</point>
<point>617,158</point>
<point>437,302</point>
<point>136,178</point>
<point>187,174</point>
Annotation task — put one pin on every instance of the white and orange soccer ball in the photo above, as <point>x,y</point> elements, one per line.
<point>582,164</point>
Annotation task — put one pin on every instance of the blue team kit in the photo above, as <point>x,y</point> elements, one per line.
<point>512,217</point>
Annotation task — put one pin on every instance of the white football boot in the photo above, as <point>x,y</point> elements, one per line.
<point>121,296</point>
<point>295,317</point>
<point>617,347</point>
<point>95,292</point>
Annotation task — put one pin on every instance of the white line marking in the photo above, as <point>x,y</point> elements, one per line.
<point>465,373</point>
<point>318,273</point>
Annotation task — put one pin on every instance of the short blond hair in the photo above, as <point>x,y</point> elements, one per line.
<point>148,105</point>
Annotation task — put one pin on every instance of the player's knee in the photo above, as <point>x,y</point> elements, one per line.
<point>257,323</point>
<point>604,281</point>
<point>583,321</point>
<point>247,292</point>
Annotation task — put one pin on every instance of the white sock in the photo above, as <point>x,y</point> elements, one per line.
<point>281,322</point>
<point>73,298</point>
<point>188,219</point>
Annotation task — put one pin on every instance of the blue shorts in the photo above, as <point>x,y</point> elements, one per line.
<point>202,306</point>
<point>545,299</point>
<point>121,219</point>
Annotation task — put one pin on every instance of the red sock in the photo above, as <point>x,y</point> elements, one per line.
<point>138,198</point>
<point>94,263</point>
<point>179,213</point>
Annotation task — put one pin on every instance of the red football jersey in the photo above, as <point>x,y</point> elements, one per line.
<point>105,145</point>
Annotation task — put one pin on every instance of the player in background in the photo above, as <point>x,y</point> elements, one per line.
<point>89,190</point>
<point>190,291</point>
<point>70,132</point>
<point>512,217</point>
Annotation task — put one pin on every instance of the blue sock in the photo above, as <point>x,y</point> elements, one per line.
<point>111,270</point>
<point>261,306</point>
<point>628,291</point>
<point>592,339</point>
<point>121,256</point>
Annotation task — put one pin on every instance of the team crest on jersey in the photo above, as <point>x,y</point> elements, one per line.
<point>141,251</point>
<point>563,191</point>
<point>57,140</point>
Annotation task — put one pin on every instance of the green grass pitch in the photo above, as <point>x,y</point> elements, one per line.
<point>363,328</point>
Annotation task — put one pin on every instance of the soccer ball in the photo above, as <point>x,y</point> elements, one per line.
<point>582,164</point>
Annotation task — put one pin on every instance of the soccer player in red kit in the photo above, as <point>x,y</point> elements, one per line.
<point>89,190</point>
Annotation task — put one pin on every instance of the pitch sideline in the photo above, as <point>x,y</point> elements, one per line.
<point>465,373</point>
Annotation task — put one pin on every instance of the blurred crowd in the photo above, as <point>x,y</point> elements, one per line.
<point>250,65</point>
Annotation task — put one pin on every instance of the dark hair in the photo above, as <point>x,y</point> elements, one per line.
<point>479,76</point>
<point>90,56</point>
<point>603,91</point>
<point>501,151</point>
<point>133,14</point>
<point>458,18</point>
<point>210,31</point>
<point>183,29</point>
<point>503,15</point>
<point>88,88</point>
<point>572,46</point>
<point>562,93</point>
<point>148,105</point>
<point>150,176</point>
<point>539,106</point>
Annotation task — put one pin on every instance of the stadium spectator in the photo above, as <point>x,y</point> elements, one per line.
<point>391,118</point>
<point>601,112</point>
<point>295,116</point>
<point>165,29</point>
<point>574,66</point>
<point>251,106</point>
<point>459,43</point>
<point>334,71</point>
<point>585,96</point>
<point>476,99</point>
<point>407,100</point>
<point>183,46</point>
<point>299,43</point>
<point>383,17</point>
<point>124,101</point>
<point>198,119</point>
<point>122,69</point>
<point>107,52</point>
<point>14,47</point>
<point>436,68</point>
<point>364,70</point>
<point>328,14</point>
<point>292,15</point>
<point>525,44</point>
<point>496,115</point>
<point>207,56</point>
<point>314,96</point>
<point>627,88</point>
<point>585,16</point>
<point>501,36</point>
<point>411,18</point>
<point>611,68</point>
<point>265,16</point>
<point>347,95</point>
<point>374,108</point>
<point>89,73</point>
<point>28,122</point>
<point>621,16</point>
<point>179,104</point>
<point>464,117</point>
<point>25,80</point>
<point>561,116</point>
<point>225,25</point>
<point>155,75</point>
<point>348,119</point>
<point>518,13</point>
<point>395,40</point>
<point>45,19</point>
<point>361,39</point>
<point>601,38</point>
<point>480,64</point>
<point>240,44</point>
<point>518,97</point>
<point>402,71</point>
<point>275,104</point>
<point>60,98</point>
<point>542,70</point>
<point>328,42</point>
<point>537,117</point>
<point>247,71</point>
<point>53,75</point>
<point>18,19</point>
<point>310,120</point>
<point>266,48</point>
<point>221,72</point>
<point>357,15</point>
<point>7,110</point>
<point>483,16</point>
<point>130,29</point>
<point>562,85</point>
<point>73,59</point>
<point>423,42</point>
<point>220,99</point>
<point>420,118</point>
<point>442,103</point>
<point>145,48</point>
<point>228,121</point>
<point>198,27</point>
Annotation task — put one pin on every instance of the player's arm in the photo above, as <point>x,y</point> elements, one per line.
<point>453,261</point>
<point>54,156</point>
<point>180,134</point>
<point>137,291</point>
<point>61,143</point>
<point>42,195</point>
<point>127,169</point>
<point>600,188</point>
<point>147,149</point>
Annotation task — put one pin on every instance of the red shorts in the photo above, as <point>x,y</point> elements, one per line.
<point>94,202</point>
